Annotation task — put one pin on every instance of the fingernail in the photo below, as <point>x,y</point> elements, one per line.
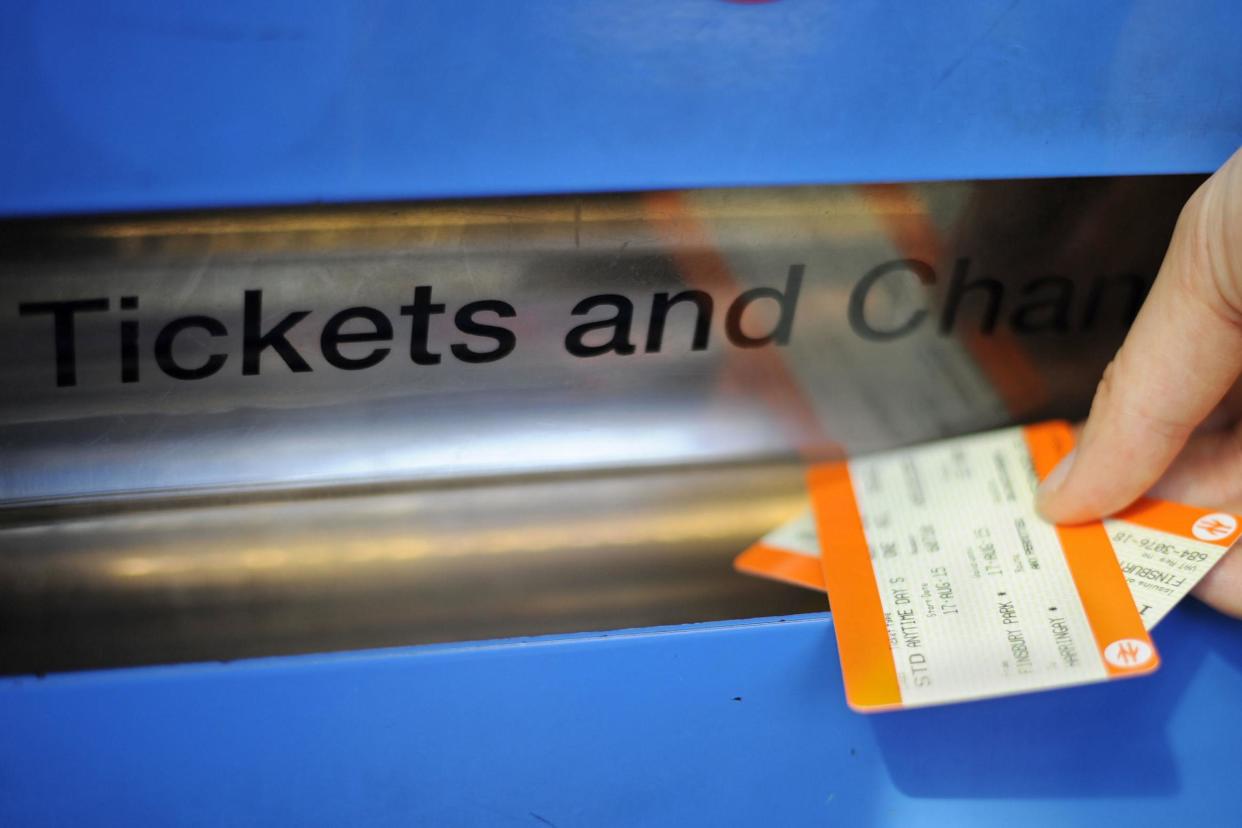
<point>1056,477</point>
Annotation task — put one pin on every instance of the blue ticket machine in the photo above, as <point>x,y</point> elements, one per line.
<point>388,388</point>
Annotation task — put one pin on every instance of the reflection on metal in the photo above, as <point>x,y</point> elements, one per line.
<point>495,559</point>
<point>216,468</point>
<point>867,364</point>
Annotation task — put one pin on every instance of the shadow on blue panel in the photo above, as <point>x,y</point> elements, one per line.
<point>1080,742</point>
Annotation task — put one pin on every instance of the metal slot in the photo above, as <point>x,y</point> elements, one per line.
<point>169,582</point>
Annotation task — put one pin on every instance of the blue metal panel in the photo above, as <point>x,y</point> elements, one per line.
<point>137,104</point>
<point>728,724</point>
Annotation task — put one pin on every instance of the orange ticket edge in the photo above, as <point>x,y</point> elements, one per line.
<point>781,565</point>
<point>1106,597</point>
<point>1175,519</point>
<point>866,658</point>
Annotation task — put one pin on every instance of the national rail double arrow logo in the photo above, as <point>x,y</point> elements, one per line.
<point>1214,527</point>
<point>1128,652</point>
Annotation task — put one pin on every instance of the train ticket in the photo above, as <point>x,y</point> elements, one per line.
<point>947,586</point>
<point>1164,549</point>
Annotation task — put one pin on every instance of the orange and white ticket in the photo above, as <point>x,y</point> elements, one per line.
<point>947,586</point>
<point>1164,549</point>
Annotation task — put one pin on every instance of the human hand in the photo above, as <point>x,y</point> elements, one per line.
<point>1167,415</point>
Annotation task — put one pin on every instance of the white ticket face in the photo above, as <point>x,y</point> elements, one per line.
<point>947,586</point>
<point>797,536</point>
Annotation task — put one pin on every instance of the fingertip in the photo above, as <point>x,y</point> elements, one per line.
<point>1049,507</point>
<point>1081,501</point>
<point>1060,510</point>
<point>1046,505</point>
<point>1048,497</point>
<point>1079,495</point>
<point>1115,461</point>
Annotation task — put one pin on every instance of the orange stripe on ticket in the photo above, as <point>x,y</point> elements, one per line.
<point>1116,625</point>
<point>781,565</point>
<point>1206,525</point>
<point>858,615</point>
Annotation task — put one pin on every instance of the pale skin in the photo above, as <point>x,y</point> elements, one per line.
<point>1167,415</point>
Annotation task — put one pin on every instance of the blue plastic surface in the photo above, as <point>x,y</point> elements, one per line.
<point>725,724</point>
<point>136,104</point>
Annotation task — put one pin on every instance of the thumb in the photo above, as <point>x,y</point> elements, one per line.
<point>1179,359</point>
